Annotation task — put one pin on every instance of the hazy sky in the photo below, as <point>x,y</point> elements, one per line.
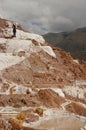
<point>42,16</point>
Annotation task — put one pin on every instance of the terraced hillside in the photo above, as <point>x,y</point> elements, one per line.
<point>41,87</point>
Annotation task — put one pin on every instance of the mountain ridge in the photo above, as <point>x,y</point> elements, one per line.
<point>73,42</point>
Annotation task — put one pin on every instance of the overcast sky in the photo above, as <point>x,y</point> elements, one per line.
<point>42,16</point>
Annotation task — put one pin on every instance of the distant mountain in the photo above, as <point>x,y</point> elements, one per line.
<point>73,42</point>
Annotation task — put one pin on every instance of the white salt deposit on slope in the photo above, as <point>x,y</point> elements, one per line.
<point>76,61</point>
<point>19,89</point>
<point>9,110</point>
<point>32,91</point>
<point>80,82</point>
<point>83,105</point>
<point>24,35</point>
<point>39,48</point>
<point>49,50</point>
<point>6,109</point>
<point>7,60</point>
<point>15,88</point>
<point>59,91</point>
<point>24,38</point>
<point>65,104</point>
<point>3,40</point>
<point>75,91</point>
<point>14,45</point>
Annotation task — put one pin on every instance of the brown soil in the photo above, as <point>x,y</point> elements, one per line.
<point>76,108</point>
<point>49,98</point>
<point>75,99</point>
<point>19,100</point>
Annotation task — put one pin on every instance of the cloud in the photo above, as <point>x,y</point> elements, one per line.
<point>42,16</point>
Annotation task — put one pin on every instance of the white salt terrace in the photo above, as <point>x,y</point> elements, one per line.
<point>13,46</point>
<point>75,91</point>
<point>7,60</point>
<point>24,35</point>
